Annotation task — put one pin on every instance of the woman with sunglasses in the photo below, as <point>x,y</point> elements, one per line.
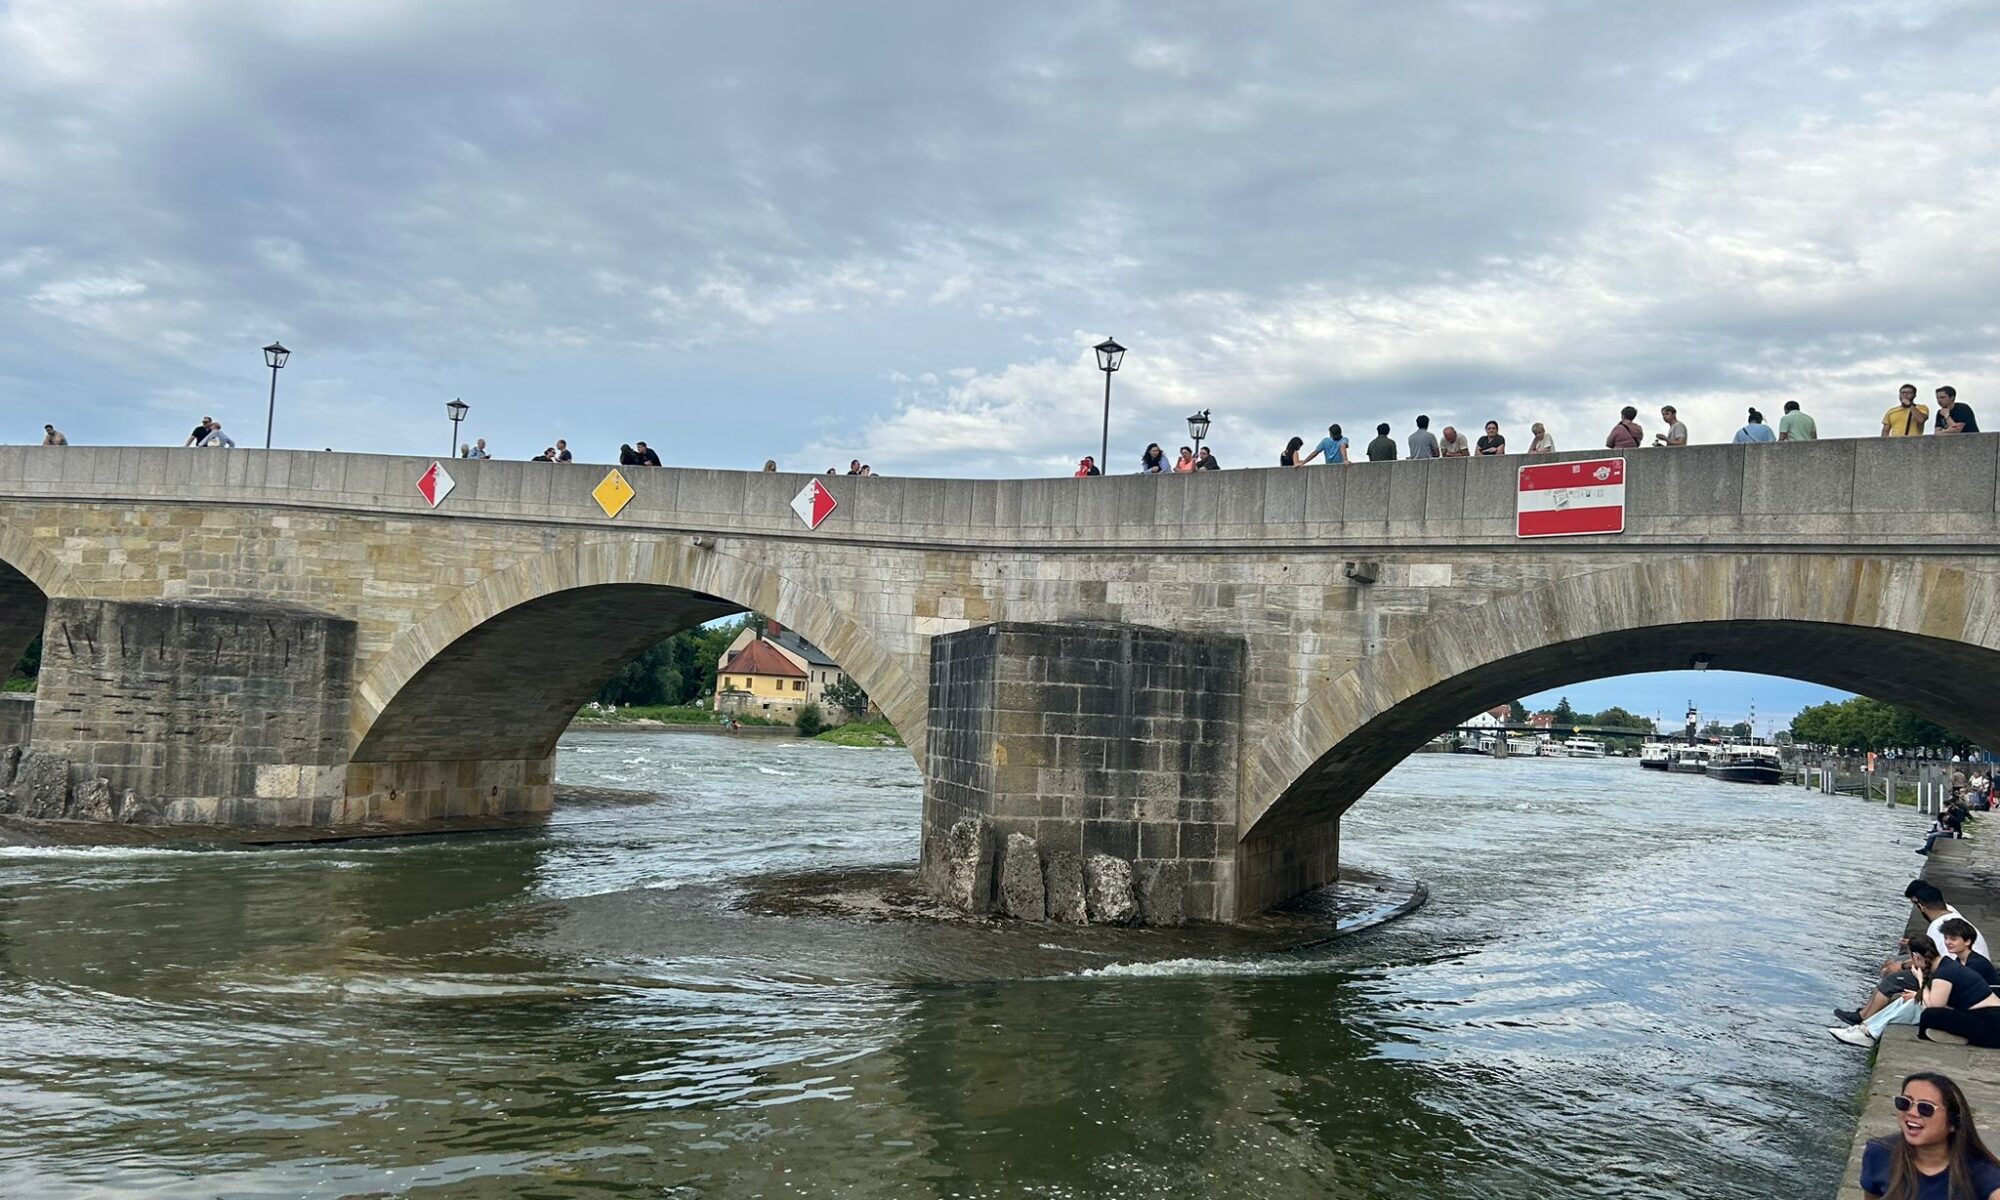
<point>1936,1154</point>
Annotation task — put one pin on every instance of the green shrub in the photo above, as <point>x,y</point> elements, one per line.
<point>810,721</point>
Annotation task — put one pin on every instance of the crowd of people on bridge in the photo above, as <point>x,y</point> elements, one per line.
<point>1907,419</point>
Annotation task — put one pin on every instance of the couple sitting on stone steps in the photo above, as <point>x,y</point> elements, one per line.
<point>1945,987</point>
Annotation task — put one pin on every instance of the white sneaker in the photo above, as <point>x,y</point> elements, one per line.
<point>1853,1035</point>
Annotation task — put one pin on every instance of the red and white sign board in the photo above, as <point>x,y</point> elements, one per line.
<point>436,484</point>
<point>1571,498</point>
<point>814,504</point>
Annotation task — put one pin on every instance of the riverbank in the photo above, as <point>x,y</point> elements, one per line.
<point>1967,871</point>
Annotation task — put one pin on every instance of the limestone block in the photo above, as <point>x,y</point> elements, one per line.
<point>91,801</point>
<point>1108,897</point>
<point>968,867</point>
<point>1064,876</point>
<point>42,784</point>
<point>1162,888</point>
<point>1022,893</point>
<point>134,809</point>
<point>278,781</point>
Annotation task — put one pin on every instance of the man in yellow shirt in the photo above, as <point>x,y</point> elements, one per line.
<point>1908,417</point>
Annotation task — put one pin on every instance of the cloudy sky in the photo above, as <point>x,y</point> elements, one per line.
<point>822,231</point>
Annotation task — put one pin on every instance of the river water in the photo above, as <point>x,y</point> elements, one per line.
<point>1619,988</point>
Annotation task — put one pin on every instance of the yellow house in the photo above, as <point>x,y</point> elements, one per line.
<point>759,679</point>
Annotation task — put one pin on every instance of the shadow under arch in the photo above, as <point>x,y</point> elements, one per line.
<point>24,609</point>
<point>1910,631</point>
<point>498,672</point>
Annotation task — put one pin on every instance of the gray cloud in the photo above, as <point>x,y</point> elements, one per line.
<point>791,215</point>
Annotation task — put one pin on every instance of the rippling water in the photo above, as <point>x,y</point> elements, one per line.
<point>1618,989</point>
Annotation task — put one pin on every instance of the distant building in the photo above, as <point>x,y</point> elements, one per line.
<point>774,674</point>
<point>1543,720</point>
<point>1492,718</point>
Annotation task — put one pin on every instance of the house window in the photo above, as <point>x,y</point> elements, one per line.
<point>798,685</point>
<point>727,683</point>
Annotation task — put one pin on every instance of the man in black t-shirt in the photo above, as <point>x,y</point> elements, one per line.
<point>201,432</point>
<point>648,457</point>
<point>1953,416</point>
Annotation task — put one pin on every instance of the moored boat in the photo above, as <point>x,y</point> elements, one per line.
<point>1746,764</point>
<point>1653,755</point>
<point>1689,760</point>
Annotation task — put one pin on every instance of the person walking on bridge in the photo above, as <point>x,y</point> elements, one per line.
<point>1676,434</point>
<point>1627,433</point>
<point>1754,430</point>
<point>1333,447</point>
<point>1796,426</point>
<point>1953,415</point>
<point>1423,443</point>
<point>1908,417</point>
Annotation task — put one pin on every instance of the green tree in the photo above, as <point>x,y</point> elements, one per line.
<point>31,662</point>
<point>1563,713</point>
<point>1862,724</point>
<point>1517,713</point>
<point>847,696</point>
<point>1617,718</point>
<point>810,721</point>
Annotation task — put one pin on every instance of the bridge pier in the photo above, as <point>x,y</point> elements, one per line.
<point>226,712</point>
<point>1091,738</point>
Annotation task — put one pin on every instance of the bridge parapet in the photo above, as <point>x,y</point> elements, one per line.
<point>1902,491</point>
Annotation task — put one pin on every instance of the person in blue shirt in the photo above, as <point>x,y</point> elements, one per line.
<point>1333,446</point>
<point>1755,430</point>
<point>1935,1153</point>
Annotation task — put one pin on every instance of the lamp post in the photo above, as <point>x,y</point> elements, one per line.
<point>1198,429</point>
<point>457,409</point>
<point>275,355</point>
<point>1110,355</point>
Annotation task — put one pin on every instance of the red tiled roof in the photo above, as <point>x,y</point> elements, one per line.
<point>760,658</point>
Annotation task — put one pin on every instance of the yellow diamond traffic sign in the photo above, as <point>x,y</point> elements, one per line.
<point>613,494</point>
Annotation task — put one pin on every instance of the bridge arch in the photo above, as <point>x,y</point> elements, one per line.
<point>29,575</point>
<point>1917,632</point>
<point>495,674</point>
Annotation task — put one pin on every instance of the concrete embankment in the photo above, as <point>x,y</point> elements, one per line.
<point>1968,872</point>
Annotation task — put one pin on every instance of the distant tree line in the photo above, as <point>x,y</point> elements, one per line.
<point>679,670</point>
<point>1862,724</point>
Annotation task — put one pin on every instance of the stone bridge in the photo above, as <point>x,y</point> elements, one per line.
<point>1202,668</point>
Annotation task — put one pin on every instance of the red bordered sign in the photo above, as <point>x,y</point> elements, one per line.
<point>1570,498</point>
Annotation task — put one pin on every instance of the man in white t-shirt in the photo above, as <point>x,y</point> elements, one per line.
<point>1896,976</point>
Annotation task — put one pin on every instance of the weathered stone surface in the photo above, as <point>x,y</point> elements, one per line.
<point>967,869</point>
<point>1022,892</point>
<point>1063,875</point>
<point>91,801</point>
<point>42,785</point>
<point>1162,888</point>
<point>10,761</point>
<point>134,809</point>
<point>1108,890</point>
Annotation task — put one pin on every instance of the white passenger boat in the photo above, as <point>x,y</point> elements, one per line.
<point>1653,755</point>
<point>1583,747</point>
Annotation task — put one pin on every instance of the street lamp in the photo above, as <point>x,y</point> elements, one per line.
<point>275,355</point>
<point>457,409</point>
<point>1110,355</point>
<point>1198,429</point>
